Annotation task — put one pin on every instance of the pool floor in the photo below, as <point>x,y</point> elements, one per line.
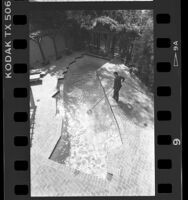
<point>90,138</point>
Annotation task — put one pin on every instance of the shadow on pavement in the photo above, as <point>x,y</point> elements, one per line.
<point>62,150</point>
<point>133,115</point>
<point>125,107</point>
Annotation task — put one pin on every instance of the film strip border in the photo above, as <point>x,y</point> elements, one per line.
<point>167,97</point>
<point>167,100</point>
<point>16,99</point>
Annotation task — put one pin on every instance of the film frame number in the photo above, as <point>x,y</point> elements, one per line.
<point>176,142</point>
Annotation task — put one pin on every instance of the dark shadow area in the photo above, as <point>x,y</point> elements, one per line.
<point>133,114</point>
<point>37,82</point>
<point>62,149</point>
<point>125,107</point>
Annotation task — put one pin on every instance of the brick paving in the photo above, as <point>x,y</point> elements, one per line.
<point>47,125</point>
<point>131,163</point>
<point>135,158</point>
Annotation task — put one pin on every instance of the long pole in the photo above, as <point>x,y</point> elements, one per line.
<point>100,100</point>
<point>110,108</point>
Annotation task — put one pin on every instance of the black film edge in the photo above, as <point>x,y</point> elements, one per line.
<point>18,99</point>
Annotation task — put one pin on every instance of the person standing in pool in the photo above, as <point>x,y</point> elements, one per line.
<point>117,85</point>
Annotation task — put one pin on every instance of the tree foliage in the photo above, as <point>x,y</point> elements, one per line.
<point>133,33</point>
<point>143,57</point>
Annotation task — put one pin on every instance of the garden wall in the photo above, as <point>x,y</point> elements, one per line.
<point>34,54</point>
<point>48,50</point>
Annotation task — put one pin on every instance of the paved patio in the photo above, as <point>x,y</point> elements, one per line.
<point>99,145</point>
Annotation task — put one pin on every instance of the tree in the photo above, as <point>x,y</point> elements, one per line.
<point>129,32</point>
<point>143,55</point>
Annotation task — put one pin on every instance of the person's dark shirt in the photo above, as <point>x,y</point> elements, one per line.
<point>117,82</point>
